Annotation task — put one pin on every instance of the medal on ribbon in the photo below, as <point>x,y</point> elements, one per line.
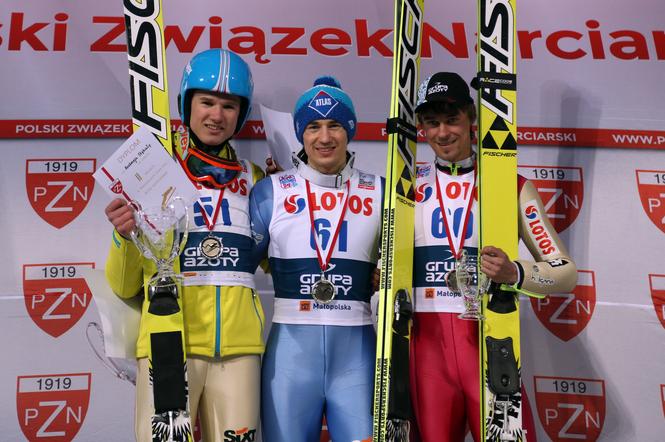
<point>460,279</point>
<point>323,291</point>
<point>211,246</point>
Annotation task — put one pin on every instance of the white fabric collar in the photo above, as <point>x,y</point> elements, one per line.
<point>466,163</point>
<point>321,179</point>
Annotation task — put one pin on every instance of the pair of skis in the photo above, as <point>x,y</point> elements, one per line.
<point>146,51</point>
<point>498,200</point>
<point>500,390</point>
<point>392,404</point>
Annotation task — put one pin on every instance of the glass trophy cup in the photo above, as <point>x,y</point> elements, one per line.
<point>461,280</point>
<point>160,235</point>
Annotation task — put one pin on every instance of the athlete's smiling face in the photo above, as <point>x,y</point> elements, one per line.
<point>448,135</point>
<point>214,116</point>
<point>325,143</point>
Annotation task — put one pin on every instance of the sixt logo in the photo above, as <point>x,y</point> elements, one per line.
<point>537,230</point>
<point>293,204</point>
<point>146,63</point>
<point>423,192</point>
<point>241,435</point>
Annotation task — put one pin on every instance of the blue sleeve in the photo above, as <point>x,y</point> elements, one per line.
<point>260,214</point>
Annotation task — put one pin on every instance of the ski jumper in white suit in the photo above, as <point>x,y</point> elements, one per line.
<point>444,349</point>
<point>319,357</point>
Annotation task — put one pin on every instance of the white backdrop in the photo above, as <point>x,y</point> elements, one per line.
<point>592,123</point>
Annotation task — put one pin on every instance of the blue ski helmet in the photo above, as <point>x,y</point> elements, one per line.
<point>217,70</point>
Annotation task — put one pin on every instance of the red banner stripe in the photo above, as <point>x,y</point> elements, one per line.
<point>527,136</point>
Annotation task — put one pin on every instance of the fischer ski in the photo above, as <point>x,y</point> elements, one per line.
<point>500,363</point>
<point>392,403</point>
<point>146,52</point>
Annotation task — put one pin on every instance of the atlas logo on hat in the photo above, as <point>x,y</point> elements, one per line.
<point>443,86</point>
<point>323,103</point>
<point>324,100</point>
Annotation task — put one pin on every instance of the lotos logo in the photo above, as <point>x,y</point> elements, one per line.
<point>241,435</point>
<point>293,204</point>
<point>59,190</point>
<point>328,201</point>
<point>651,186</point>
<point>657,287</point>
<point>56,295</point>
<point>570,409</point>
<point>561,190</point>
<point>566,315</point>
<point>52,407</point>
<point>238,186</point>
<point>537,230</point>
<point>531,212</point>
<point>423,192</point>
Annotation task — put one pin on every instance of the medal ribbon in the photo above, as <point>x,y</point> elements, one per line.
<point>456,250</point>
<point>324,264</point>
<point>215,214</point>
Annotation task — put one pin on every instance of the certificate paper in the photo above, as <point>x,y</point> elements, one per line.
<point>281,137</point>
<point>141,170</point>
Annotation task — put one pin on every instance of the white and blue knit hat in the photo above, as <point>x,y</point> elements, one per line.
<point>324,101</point>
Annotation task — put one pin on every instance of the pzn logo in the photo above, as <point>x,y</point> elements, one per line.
<point>59,190</point>
<point>52,407</point>
<point>242,435</point>
<point>293,204</point>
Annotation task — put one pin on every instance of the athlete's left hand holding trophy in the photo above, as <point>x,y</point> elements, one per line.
<point>152,201</point>
<point>143,174</point>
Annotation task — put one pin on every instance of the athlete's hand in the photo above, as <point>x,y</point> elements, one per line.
<point>272,166</point>
<point>121,215</point>
<point>497,266</point>
<point>376,279</point>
